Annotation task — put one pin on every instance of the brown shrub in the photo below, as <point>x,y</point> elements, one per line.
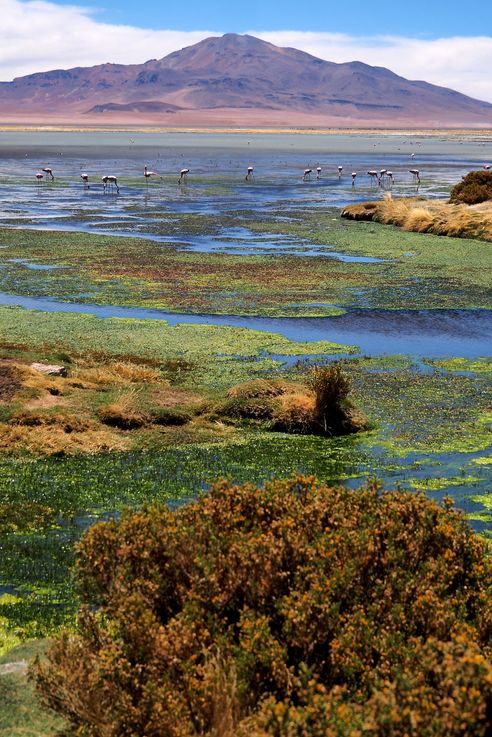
<point>333,412</point>
<point>475,187</point>
<point>296,610</point>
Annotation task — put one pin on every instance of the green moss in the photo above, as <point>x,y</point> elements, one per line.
<point>477,365</point>
<point>441,482</point>
<point>484,461</point>
<point>484,499</point>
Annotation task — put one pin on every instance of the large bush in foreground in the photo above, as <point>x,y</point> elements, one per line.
<point>475,187</point>
<point>293,611</point>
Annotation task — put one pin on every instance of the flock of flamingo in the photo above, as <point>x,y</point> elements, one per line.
<point>381,178</point>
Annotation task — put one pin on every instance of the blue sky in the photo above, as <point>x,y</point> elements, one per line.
<point>427,18</point>
<point>441,42</point>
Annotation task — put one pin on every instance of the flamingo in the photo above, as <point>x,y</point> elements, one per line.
<point>183,175</point>
<point>416,175</point>
<point>307,174</point>
<point>108,182</point>
<point>382,172</point>
<point>39,176</point>
<point>354,176</point>
<point>389,174</point>
<point>374,175</point>
<point>49,172</point>
<point>85,179</point>
<point>340,169</point>
<point>249,176</point>
<point>486,167</point>
<point>318,172</point>
<point>148,174</point>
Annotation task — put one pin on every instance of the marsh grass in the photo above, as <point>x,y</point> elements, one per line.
<point>438,217</point>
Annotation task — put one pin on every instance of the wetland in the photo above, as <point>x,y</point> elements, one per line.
<point>160,299</point>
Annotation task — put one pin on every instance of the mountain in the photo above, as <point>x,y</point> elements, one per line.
<point>238,79</point>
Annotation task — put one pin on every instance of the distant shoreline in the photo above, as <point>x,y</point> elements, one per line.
<point>61,128</point>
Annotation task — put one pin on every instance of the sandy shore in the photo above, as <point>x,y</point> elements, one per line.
<point>115,128</point>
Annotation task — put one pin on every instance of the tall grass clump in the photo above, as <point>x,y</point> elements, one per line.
<point>320,406</point>
<point>295,610</point>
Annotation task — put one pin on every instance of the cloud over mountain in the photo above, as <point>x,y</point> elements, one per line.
<point>38,35</point>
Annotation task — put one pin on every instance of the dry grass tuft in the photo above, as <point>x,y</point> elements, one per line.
<point>294,413</point>
<point>418,219</point>
<point>428,216</point>
<point>52,439</point>
<point>116,373</point>
<point>123,413</point>
<point>67,422</point>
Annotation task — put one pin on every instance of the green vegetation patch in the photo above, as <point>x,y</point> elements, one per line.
<point>438,272</point>
<point>477,365</point>
<point>212,350</point>
<point>441,482</point>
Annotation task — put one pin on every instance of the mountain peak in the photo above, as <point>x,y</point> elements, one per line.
<point>222,77</point>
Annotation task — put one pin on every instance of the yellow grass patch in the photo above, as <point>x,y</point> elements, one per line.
<point>295,411</point>
<point>427,216</point>
<point>117,372</point>
<point>50,439</point>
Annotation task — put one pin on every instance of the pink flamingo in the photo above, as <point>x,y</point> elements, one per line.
<point>47,170</point>
<point>183,176</point>
<point>85,179</point>
<point>416,175</point>
<point>148,174</point>
<point>354,176</point>
<point>340,169</point>
<point>39,176</point>
<point>249,175</point>
<point>307,174</point>
<point>318,172</point>
<point>374,176</point>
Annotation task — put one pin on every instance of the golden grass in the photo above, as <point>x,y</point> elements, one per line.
<point>38,382</point>
<point>418,219</point>
<point>51,439</point>
<point>427,216</point>
<point>294,412</point>
<point>118,372</point>
<point>64,415</point>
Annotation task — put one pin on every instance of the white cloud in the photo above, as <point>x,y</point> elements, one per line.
<point>38,35</point>
<point>462,63</point>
